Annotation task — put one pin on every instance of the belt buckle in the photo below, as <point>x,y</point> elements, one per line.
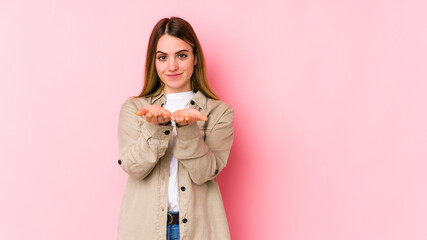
<point>171,219</point>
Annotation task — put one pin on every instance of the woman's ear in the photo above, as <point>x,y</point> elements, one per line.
<point>195,60</point>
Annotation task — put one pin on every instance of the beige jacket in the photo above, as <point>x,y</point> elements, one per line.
<point>202,151</point>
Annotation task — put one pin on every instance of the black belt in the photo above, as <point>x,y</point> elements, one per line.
<point>173,218</point>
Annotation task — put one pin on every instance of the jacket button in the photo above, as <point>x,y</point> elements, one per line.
<point>216,172</point>
<point>183,188</point>
<point>167,132</point>
<point>120,161</point>
<point>184,220</point>
<point>192,102</point>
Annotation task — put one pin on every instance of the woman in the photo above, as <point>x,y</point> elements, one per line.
<point>174,139</point>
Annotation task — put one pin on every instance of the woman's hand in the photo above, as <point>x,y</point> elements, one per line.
<point>154,114</point>
<point>187,116</point>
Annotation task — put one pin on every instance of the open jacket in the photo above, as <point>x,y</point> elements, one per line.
<point>202,150</point>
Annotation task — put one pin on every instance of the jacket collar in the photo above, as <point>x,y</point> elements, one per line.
<point>199,99</point>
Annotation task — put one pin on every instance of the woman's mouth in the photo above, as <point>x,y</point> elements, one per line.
<point>173,76</point>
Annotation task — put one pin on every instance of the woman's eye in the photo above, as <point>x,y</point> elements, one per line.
<point>182,55</point>
<point>161,58</point>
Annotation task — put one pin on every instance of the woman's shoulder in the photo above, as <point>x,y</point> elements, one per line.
<point>218,106</point>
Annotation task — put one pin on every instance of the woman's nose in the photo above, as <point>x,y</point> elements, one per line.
<point>173,66</point>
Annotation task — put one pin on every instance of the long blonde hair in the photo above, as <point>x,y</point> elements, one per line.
<point>179,28</point>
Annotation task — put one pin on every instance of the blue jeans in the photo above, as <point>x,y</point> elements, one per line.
<point>172,231</point>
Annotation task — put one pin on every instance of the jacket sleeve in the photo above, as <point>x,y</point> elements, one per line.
<point>141,144</point>
<point>205,159</point>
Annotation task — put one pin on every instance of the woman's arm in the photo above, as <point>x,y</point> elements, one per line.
<point>140,145</point>
<point>205,159</point>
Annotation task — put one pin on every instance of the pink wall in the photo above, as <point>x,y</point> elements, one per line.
<point>330,100</point>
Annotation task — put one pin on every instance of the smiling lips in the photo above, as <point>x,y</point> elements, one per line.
<point>173,76</point>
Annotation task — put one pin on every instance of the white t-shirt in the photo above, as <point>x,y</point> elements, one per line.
<point>174,102</point>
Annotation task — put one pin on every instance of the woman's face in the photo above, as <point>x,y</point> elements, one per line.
<point>174,63</point>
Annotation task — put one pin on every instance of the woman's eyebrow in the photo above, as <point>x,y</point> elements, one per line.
<point>183,50</point>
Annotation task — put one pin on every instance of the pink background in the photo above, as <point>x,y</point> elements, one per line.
<point>330,100</point>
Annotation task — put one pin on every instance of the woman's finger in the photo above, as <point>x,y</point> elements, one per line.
<point>201,116</point>
<point>167,119</point>
<point>173,117</point>
<point>154,120</point>
<point>142,111</point>
<point>147,119</point>
<point>166,113</point>
<point>160,118</point>
<point>149,116</point>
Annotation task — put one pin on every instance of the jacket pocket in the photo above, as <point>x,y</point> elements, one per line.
<point>203,129</point>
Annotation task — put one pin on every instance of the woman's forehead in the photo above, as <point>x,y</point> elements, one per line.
<point>171,44</point>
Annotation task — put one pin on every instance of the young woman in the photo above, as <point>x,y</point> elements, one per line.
<point>174,140</point>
